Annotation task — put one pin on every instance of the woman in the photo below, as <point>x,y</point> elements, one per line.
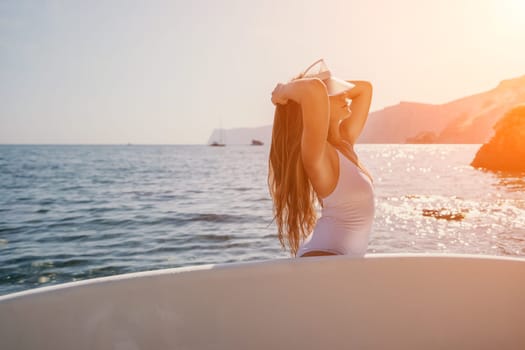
<point>317,121</point>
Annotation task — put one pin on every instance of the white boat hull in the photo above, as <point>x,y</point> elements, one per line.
<point>379,302</point>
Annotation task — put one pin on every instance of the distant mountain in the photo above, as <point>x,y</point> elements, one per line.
<point>466,120</point>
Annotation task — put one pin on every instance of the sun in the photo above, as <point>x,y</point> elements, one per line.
<point>514,11</point>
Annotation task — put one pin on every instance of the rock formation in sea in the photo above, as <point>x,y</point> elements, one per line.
<point>506,150</point>
<point>445,214</point>
<point>423,137</point>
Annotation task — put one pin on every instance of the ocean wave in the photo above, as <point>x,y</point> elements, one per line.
<point>216,218</point>
<point>242,189</point>
<point>63,238</point>
<point>175,249</point>
<point>214,237</point>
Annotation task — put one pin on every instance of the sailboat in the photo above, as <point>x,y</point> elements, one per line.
<point>219,143</point>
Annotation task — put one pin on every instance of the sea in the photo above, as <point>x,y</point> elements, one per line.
<point>74,212</point>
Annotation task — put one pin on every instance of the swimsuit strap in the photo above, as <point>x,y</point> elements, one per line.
<point>356,164</point>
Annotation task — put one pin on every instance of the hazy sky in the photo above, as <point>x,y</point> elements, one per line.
<point>166,72</point>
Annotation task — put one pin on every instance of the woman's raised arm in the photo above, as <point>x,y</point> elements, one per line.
<point>361,96</point>
<point>311,94</point>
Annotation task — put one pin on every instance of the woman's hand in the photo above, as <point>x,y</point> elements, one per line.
<point>279,95</point>
<point>298,89</point>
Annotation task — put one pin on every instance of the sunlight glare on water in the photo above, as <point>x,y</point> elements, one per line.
<point>412,179</point>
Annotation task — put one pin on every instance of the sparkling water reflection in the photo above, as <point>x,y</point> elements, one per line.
<point>415,178</point>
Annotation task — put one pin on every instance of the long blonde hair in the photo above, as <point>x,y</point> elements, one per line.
<point>292,193</point>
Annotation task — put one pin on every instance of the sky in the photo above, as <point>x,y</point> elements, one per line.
<point>169,72</point>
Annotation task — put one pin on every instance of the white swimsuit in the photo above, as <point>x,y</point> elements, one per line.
<point>347,214</point>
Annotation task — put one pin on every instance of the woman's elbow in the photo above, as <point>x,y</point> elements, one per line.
<point>362,87</point>
<point>316,88</point>
<point>367,86</point>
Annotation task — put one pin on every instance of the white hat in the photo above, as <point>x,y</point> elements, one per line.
<point>334,86</point>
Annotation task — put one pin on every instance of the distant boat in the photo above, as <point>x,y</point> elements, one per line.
<point>219,143</point>
<point>257,143</point>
